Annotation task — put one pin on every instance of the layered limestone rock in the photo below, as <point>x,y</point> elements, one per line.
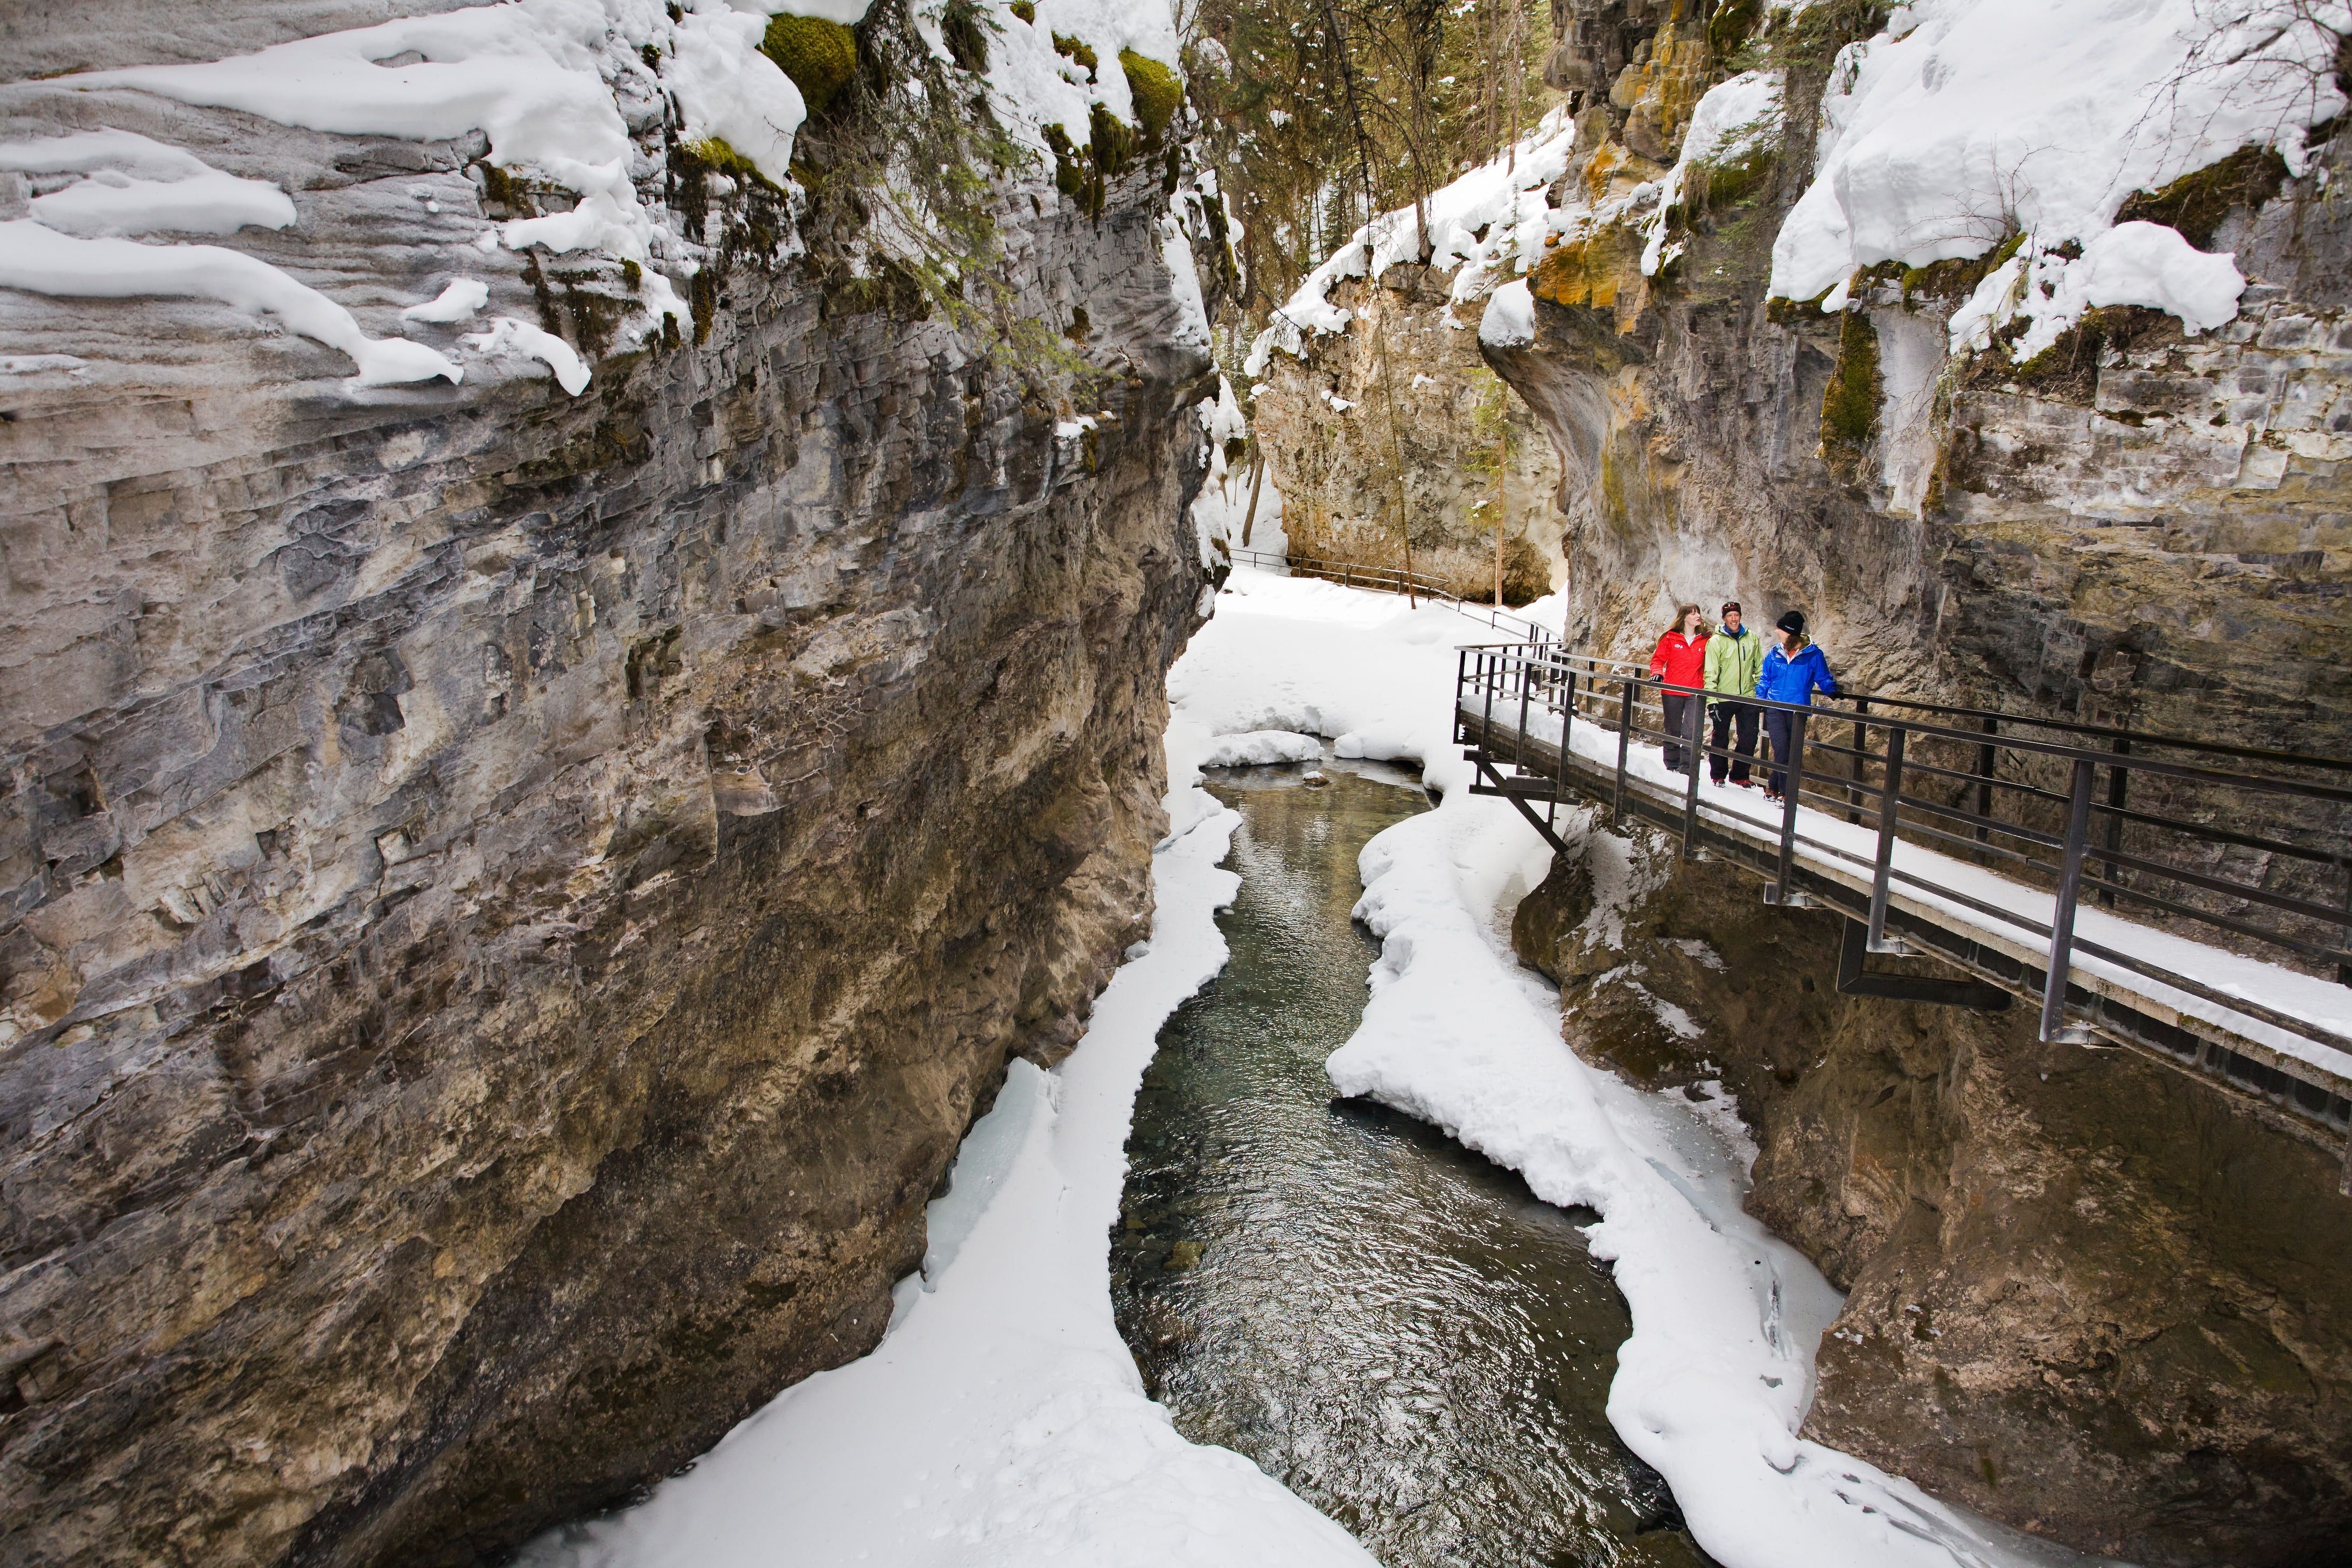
<point>2090,1297</point>
<point>1404,392</point>
<point>513,897</point>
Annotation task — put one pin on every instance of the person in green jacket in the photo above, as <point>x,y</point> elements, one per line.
<point>1734,655</point>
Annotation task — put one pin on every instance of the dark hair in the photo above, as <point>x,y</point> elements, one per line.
<point>1685,613</point>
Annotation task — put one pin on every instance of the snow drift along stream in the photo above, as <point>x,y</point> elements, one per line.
<point>1714,1384</point>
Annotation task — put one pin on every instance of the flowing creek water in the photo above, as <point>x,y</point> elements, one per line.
<point>1397,1330</point>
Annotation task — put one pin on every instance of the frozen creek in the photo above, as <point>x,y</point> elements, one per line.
<point>1397,1330</point>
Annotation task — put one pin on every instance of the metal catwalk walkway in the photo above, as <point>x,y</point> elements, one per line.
<point>2001,846</point>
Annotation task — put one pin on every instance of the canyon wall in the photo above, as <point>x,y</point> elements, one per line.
<point>2090,1297</point>
<point>514,898</point>
<point>1404,392</point>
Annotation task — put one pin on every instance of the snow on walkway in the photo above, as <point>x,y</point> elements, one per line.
<point>1001,1419</point>
<point>1716,1377</point>
<point>2321,1002</point>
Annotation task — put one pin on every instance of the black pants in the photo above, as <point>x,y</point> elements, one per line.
<point>1778,725</point>
<point>1726,716</point>
<point>1679,726</point>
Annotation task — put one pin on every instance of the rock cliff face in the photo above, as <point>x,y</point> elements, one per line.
<point>2090,1297</point>
<point>512,900</point>
<point>1467,450</point>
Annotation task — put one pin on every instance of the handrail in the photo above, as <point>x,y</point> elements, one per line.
<point>2103,731</point>
<point>2164,859</point>
<point>1380,579</point>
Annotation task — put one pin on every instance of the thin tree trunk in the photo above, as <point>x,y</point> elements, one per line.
<point>1258,478</point>
<point>1502,507</point>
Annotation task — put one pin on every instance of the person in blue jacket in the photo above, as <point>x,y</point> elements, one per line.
<point>1793,672</point>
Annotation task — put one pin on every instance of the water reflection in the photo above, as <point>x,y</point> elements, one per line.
<point>1399,1331</point>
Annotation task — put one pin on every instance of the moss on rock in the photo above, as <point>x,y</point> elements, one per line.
<point>819,56</point>
<point>1077,53</point>
<point>1849,408</point>
<point>2197,204</point>
<point>1156,91</point>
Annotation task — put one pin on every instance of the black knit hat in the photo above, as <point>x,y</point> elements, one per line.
<point>1794,622</point>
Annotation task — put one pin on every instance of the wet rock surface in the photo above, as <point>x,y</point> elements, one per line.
<point>511,900</point>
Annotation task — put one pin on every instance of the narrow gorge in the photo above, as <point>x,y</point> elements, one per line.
<point>499,947</point>
<point>615,615</point>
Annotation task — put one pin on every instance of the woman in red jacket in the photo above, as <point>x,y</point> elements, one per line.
<point>1681,661</point>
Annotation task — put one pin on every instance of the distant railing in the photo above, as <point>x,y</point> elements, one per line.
<point>1388,580</point>
<point>2198,833</point>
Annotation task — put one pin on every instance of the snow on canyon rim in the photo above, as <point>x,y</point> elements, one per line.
<point>1001,1419</point>
<point>552,85</point>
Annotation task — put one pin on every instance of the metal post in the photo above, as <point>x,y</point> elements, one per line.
<point>1567,718</point>
<point>1988,760</point>
<point>1486,722</point>
<point>1882,865</point>
<point>1567,722</point>
<point>2344,939</point>
<point>1779,892</point>
<point>2055,1030</point>
<point>1861,755</point>
<point>1347,574</point>
<point>1690,791</point>
<point>1520,749</point>
<point>2118,779</point>
<point>1624,742</point>
<point>1461,679</point>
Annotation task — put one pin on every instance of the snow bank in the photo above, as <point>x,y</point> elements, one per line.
<point>1737,118</point>
<point>2131,264</point>
<point>1260,748</point>
<point>524,74</point>
<point>1510,318</point>
<point>137,185</point>
<point>457,302</point>
<point>1001,1420</point>
<point>1969,120</point>
<point>1714,1381</point>
<point>1033,87</point>
<point>1503,200</point>
<point>42,261</point>
<point>509,338</point>
<point>726,88</point>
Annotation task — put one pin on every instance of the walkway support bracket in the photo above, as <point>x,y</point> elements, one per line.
<point>1852,981</point>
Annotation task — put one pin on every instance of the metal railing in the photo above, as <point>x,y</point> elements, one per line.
<point>1389,580</point>
<point>2199,835</point>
